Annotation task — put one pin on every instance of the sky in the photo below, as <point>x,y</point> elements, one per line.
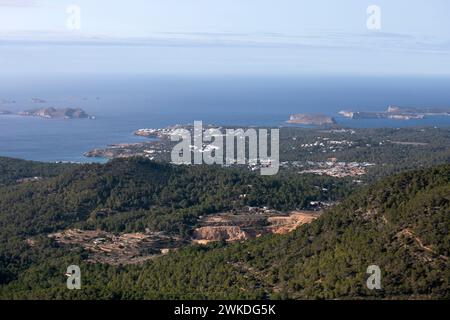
<point>287,37</point>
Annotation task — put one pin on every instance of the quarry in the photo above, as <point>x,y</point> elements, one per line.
<point>134,248</point>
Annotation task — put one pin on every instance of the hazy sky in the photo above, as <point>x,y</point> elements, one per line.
<point>225,36</point>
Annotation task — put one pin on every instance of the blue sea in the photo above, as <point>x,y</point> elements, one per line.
<point>124,103</point>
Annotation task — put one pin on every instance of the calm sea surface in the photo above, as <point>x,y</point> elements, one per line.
<point>123,104</point>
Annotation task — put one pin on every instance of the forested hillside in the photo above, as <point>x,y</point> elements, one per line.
<point>134,195</point>
<point>12,170</point>
<point>400,224</point>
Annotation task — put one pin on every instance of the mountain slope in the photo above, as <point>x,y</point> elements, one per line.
<point>12,170</point>
<point>133,195</point>
<point>400,224</point>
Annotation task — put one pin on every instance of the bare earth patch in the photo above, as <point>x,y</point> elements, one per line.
<point>238,227</point>
<point>127,248</point>
<point>133,248</point>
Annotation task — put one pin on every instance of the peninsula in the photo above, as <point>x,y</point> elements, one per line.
<point>398,113</point>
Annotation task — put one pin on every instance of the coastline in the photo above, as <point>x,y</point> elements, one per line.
<point>66,141</point>
<point>35,138</point>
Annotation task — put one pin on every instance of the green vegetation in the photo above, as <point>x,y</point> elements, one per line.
<point>12,170</point>
<point>391,150</point>
<point>401,224</point>
<point>131,195</point>
<point>136,194</point>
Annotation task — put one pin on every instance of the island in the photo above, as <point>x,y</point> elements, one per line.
<point>311,119</point>
<point>397,113</point>
<point>7,101</point>
<point>57,113</point>
<point>38,100</point>
<point>52,113</point>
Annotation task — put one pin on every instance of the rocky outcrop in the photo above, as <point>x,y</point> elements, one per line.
<point>246,225</point>
<point>227,233</point>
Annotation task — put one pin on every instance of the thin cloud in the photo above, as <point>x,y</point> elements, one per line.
<point>18,3</point>
<point>321,40</point>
